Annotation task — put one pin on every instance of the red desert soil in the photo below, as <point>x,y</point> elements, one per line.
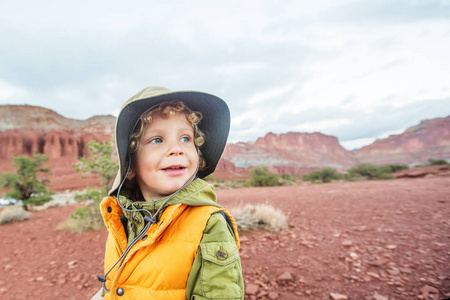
<point>363,240</point>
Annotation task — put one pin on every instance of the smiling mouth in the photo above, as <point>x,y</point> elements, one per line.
<point>174,168</point>
<point>174,171</point>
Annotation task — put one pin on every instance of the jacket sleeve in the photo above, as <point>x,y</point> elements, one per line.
<point>216,272</point>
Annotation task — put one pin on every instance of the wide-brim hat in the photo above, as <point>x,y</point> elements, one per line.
<point>215,124</point>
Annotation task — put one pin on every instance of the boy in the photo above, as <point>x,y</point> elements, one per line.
<point>168,237</point>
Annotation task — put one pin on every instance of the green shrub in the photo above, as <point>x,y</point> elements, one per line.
<point>365,170</point>
<point>259,217</point>
<point>393,168</point>
<point>28,184</point>
<point>13,214</point>
<point>261,176</point>
<point>369,171</point>
<point>89,193</point>
<point>384,176</point>
<point>435,162</point>
<point>288,178</point>
<point>100,161</point>
<point>396,168</point>
<point>322,175</point>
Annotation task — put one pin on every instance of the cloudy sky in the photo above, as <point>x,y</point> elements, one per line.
<point>358,70</point>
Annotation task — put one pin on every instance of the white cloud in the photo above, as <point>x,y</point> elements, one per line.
<point>320,125</point>
<point>354,69</point>
<point>12,94</point>
<point>232,69</point>
<point>356,144</point>
<point>264,95</point>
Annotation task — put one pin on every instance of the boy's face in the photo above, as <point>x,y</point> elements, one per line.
<point>167,157</point>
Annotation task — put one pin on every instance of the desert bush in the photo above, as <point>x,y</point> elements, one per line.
<point>286,179</point>
<point>101,162</point>
<point>259,217</point>
<point>89,193</point>
<point>86,217</point>
<point>393,168</point>
<point>13,214</point>
<point>369,171</point>
<point>364,170</point>
<point>262,176</point>
<point>435,162</point>
<point>382,176</point>
<point>322,175</point>
<point>83,219</point>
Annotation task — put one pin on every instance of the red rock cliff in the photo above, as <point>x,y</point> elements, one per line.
<point>26,130</point>
<point>291,153</point>
<point>428,140</point>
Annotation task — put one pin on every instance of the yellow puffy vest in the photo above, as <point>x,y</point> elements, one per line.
<point>157,266</point>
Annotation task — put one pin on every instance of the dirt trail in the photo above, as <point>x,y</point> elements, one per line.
<point>363,240</point>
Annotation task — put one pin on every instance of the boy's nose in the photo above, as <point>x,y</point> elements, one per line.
<point>175,149</point>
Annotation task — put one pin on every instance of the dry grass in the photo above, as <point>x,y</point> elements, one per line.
<point>78,225</point>
<point>13,214</point>
<point>259,217</point>
<point>83,219</point>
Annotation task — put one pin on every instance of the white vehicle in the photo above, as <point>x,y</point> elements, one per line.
<point>7,201</point>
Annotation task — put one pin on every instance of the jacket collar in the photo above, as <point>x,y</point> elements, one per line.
<point>197,193</point>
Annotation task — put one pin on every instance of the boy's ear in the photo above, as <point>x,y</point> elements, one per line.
<point>131,174</point>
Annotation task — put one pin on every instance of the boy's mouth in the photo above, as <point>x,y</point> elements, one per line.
<point>174,170</point>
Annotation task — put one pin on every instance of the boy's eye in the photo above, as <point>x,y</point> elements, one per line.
<point>156,141</point>
<point>185,139</point>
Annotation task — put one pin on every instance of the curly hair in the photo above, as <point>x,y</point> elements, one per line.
<point>166,110</point>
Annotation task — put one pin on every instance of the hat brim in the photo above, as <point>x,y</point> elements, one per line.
<point>215,124</point>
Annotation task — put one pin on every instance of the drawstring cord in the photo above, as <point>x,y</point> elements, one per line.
<point>149,218</point>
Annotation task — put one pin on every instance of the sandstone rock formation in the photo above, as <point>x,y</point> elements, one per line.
<point>46,120</point>
<point>291,153</point>
<point>428,140</point>
<point>25,130</point>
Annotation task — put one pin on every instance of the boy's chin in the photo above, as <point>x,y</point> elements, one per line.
<point>164,189</point>
<point>172,189</point>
